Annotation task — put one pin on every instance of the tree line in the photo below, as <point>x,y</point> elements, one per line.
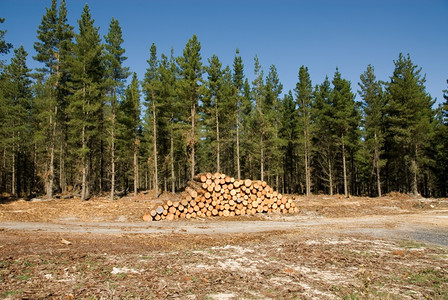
<point>75,125</point>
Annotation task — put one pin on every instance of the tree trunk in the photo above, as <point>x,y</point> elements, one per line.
<point>135,166</point>
<point>83,163</point>
<point>330,176</point>
<point>51,172</point>
<point>62,182</point>
<point>173,178</point>
<point>238,167</point>
<point>83,153</point>
<point>414,170</point>
<point>307,179</point>
<point>414,177</point>
<point>261,157</point>
<point>218,167</point>
<point>146,179</point>
<point>377,166</point>
<point>112,156</point>
<point>154,128</point>
<point>102,159</point>
<point>307,165</point>
<point>13,171</point>
<point>50,176</point>
<point>3,172</point>
<point>344,168</point>
<point>193,117</point>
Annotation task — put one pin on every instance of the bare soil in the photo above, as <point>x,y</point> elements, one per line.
<point>394,247</point>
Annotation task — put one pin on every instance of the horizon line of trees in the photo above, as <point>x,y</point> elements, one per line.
<point>74,124</point>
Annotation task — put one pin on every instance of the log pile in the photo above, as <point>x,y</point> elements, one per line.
<point>209,195</point>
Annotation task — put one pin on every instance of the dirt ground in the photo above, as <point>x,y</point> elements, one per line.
<point>394,247</point>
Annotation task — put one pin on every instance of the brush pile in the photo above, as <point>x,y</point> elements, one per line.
<point>209,195</point>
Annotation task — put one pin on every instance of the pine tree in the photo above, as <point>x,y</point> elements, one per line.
<point>191,71</point>
<point>409,117</point>
<point>324,136</point>
<point>4,49</point>
<point>46,49</point>
<point>212,103</point>
<point>128,124</point>
<point>346,119</point>
<point>304,96</point>
<point>219,109</point>
<point>259,121</point>
<point>87,73</point>
<point>4,46</point>
<point>440,146</point>
<point>445,107</point>
<point>65,35</point>
<point>3,133</point>
<point>271,109</point>
<point>53,35</point>
<point>151,88</point>
<point>169,115</point>
<point>247,131</point>
<point>374,103</point>
<point>237,78</point>
<point>289,133</point>
<point>228,109</point>
<point>116,75</point>
<point>16,124</point>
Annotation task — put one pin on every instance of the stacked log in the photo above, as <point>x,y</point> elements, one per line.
<point>211,195</point>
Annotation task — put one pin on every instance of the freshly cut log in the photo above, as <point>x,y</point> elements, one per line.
<point>210,195</point>
<point>191,191</point>
<point>147,217</point>
<point>200,177</point>
<point>159,210</point>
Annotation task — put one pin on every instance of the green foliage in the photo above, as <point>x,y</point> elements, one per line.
<point>87,71</point>
<point>151,87</point>
<point>54,39</point>
<point>115,75</point>
<point>409,118</point>
<point>238,72</point>
<point>346,125</point>
<point>289,134</point>
<point>373,124</point>
<point>304,96</point>
<point>114,57</point>
<point>4,46</point>
<point>77,120</point>
<point>16,127</point>
<point>346,116</point>
<point>190,91</point>
<point>128,117</point>
<point>191,71</point>
<point>86,102</point>
<point>272,112</point>
<point>170,113</point>
<point>439,147</point>
<point>324,137</point>
<point>212,112</point>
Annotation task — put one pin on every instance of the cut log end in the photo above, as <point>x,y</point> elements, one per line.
<point>211,195</point>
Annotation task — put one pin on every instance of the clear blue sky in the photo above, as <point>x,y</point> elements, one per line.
<point>320,34</point>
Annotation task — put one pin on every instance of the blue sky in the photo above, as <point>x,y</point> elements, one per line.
<point>320,34</point>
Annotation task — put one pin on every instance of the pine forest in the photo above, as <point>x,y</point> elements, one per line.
<point>84,122</point>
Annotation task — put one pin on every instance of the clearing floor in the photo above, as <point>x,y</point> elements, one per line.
<point>393,247</point>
